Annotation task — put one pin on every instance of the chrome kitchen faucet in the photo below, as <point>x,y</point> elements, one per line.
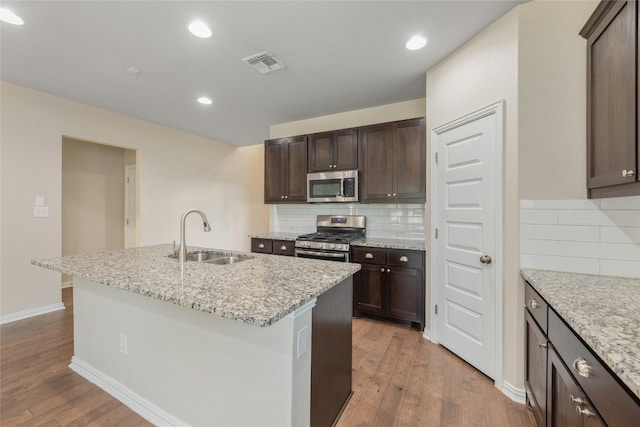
<point>182,253</point>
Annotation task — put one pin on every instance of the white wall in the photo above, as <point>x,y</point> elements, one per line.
<point>177,171</point>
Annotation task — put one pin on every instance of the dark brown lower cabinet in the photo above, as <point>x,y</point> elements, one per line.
<point>568,406</point>
<point>390,284</point>
<point>536,369</point>
<point>273,246</point>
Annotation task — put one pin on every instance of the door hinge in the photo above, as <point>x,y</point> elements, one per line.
<point>436,233</point>
<point>436,308</point>
<point>127,180</point>
<point>127,221</point>
<point>436,157</point>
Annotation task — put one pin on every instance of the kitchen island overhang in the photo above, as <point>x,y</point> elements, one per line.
<point>180,364</point>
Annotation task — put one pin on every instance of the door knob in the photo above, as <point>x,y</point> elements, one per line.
<point>485,259</point>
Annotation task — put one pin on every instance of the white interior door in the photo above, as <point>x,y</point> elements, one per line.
<point>130,206</point>
<point>467,214</point>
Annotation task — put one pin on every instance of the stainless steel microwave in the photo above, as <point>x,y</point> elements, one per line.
<point>336,186</point>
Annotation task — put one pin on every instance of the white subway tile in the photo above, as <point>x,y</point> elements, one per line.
<point>621,203</point>
<point>623,218</point>
<point>538,247</point>
<point>557,263</point>
<point>559,204</point>
<point>620,268</point>
<point>560,232</point>
<point>620,234</point>
<point>583,217</point>
<point>615,251</point>
<point>538,216</point>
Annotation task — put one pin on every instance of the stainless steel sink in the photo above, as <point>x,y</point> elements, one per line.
<point>213,257</point>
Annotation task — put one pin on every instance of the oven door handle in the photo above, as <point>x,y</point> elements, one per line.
<point>322,254</point>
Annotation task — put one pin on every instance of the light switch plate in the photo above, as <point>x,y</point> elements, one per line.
<point>41,211</point>
<point>39,201</point>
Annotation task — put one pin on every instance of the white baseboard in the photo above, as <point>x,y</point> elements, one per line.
<point>147,410</point>
<point>518,395</point>
<point>31,312</point>
<point>426,334</point>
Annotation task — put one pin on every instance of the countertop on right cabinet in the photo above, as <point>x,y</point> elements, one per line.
<point>603,310</point>
<point>388,243</point>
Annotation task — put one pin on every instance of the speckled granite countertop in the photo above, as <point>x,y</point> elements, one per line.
<point>417,245</point>
<point>603,310</point>
<point>276,236</point>
<point>258,291</point>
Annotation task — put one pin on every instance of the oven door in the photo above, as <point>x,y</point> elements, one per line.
<point>328,256</point>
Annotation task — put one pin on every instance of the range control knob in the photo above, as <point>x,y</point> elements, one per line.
<point>332,246</point>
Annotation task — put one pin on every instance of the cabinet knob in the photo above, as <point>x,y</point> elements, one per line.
<point>283,248</point>
<point>533,303</point>
<point>282,197</point>
<point>382,269</point>
<point>388,270</point>
<point>404,259</point>
<point>585,412</point>
<point>261,245</point>
<point>626,173</point>
<point>368,255</point>
<point>582,367</point>
<point>286,197</point>
<point>389,195</point>
<point>576,400</point>
<point>394,194</point>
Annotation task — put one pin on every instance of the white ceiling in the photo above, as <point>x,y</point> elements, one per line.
<point>339,56</point>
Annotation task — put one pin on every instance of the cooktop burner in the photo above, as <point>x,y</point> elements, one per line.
<point>335,232</point>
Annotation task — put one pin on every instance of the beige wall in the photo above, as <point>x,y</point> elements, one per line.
<point>552,99</point>
<point>177,171</point>
<point>533,59</point>
<point>349,119</point>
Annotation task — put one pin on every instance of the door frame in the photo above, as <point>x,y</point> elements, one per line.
<point>127,169</point>
<point>497,109</point>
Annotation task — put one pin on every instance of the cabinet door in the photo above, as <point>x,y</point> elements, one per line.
<point>284,247</point>
<point>377,163</point>
<point>321,152</point>
<point>409,159</point>
<point>611,109</point>
<point>368,285</point>
<point>275,164</point>
<point>296,170</point>
<point>345,151</point>
<point>567,406</point>
<point>404,299</point>
<point>536,369</point>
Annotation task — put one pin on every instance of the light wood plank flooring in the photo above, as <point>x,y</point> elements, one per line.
<point>399,379</point>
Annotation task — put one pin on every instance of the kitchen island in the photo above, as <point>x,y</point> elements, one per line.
<point>265,341</point>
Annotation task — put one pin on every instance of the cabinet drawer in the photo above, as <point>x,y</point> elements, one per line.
<point>284,247</point>
<point>614,403</point>
<point>264,246</point>
<point>369,255</point>
<point>536,306</point>
<point>405,258</point>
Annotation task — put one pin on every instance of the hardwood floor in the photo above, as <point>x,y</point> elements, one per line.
<point>399,379</point>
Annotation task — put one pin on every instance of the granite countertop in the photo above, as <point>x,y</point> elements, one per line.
<point>417,245</point>
<point>259,291</point>
<point>603,310</point>
<point>275,236</point>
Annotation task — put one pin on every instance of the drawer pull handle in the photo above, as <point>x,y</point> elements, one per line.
<point>582,367</point>
<point>533,303</point>
<point>283,248</point>
<point>261,245</point>
<point>368,255</point>
<point>542,344</point>
<point>585,412</point>
<point>404,259</point>
<point>576,400</point>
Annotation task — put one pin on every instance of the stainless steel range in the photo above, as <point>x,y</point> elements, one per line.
<point>332,239</point>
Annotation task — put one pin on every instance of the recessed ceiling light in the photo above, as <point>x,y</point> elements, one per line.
<point>204,100</point>
<point>133,70</point>
<point>9,17</point>
<point>200,29</point>
<point>416,42</point>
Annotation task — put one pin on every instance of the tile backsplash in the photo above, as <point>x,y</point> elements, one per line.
<point>581,236</point>
<point>401,221</point>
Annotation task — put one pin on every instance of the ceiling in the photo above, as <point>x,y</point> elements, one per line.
<point>339,56</point>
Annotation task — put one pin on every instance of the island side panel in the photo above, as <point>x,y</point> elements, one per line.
<point>331,354</point>
<point>192,367</point>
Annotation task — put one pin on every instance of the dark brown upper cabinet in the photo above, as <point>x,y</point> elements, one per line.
<point>393,162</point>
<point>285,170</point>
<point>337,150</point>
<point>613,145</point>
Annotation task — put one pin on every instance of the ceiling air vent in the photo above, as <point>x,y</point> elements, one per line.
<point>263,62</point>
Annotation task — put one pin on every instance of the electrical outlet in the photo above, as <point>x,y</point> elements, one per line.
<point>302,341</point>
<point>123,344</point>
<point>41,211</point>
